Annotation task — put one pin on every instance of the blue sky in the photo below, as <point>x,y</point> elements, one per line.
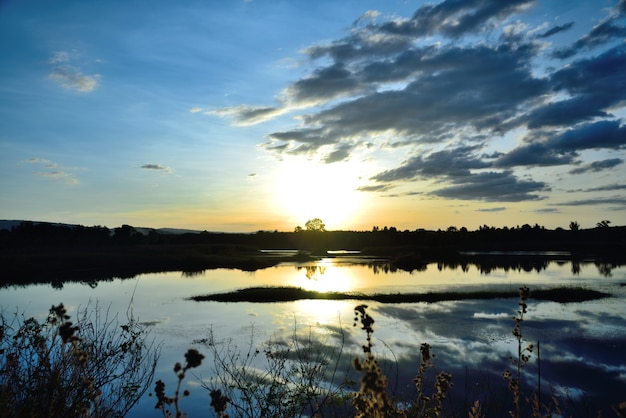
<point>250,115</point>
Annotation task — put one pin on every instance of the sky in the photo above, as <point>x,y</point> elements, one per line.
<point>241,116</point>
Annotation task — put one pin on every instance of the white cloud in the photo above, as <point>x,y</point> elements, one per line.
<point>55,171</point>
<point>71,78</point>
<point>59,56</point>
<point>63,176</point>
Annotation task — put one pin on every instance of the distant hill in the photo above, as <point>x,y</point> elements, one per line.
<point>4,224</point>
<point>8,224</point>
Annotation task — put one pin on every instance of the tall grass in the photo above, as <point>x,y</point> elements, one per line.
<point>95,367</point>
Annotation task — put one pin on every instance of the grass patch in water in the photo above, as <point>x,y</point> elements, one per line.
<point>289,294</point>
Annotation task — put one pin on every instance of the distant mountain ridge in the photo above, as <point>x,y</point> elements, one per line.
<point>10,223</point>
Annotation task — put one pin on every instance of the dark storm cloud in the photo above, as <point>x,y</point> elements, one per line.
<point>449,163</point>
<point>603,134</point>
<point>596,166</point>
<point>563,148</point>
<point>454,166</point>
<point>492,187</point>
<point>594,86</point>
<point>566,112</point>
<point>537,154</point>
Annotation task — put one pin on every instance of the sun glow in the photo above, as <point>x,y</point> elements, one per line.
<point>305,190</point>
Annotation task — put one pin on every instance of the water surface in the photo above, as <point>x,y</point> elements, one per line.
<point>582,344</point>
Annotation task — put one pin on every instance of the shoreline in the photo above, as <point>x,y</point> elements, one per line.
<point>56,265</point>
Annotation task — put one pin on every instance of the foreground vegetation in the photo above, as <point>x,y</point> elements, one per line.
<point>95,367</point>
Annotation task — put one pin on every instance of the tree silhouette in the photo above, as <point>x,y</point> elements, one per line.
<point>315,224</point>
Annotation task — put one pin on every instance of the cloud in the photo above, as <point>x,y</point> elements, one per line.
<point>449,163</point>
<point>563,147</point>
<point>607,188</point>
<point>596,166</point>
<point>493,187</point>
<point>325,84</point>
<point>63,176</point>
<point>604,32</point>
<point>59,56</point>
<point>456,18</point>
<point>53,171</point>
<point>439,91</point>
<point>616,200</point>
<point>69,76</point>
<point>546,210</point>
<point>603,134</point>
<point>455,167</point>
<point>248,115</point>
<point>156,167</point>
<point>498,209</point>
<point>339,154</point>
<point>47,163</point>
<point>556,29</point>
<point>374,188</point>
<point>592,87</point>
<point>536,154</point>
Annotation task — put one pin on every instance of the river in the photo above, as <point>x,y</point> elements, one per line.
<point>582,344</point>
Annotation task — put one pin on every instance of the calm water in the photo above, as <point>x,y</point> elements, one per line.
<point>582,344</point>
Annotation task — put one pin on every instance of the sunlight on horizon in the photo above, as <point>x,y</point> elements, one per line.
<point>305,190</point>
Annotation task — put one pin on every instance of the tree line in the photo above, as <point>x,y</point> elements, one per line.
<point>315,236</point>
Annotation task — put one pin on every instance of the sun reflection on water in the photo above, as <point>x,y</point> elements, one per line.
<point>325,280</point>
<point>326,315</point>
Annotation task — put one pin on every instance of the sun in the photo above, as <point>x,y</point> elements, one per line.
<point>305,190</point>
